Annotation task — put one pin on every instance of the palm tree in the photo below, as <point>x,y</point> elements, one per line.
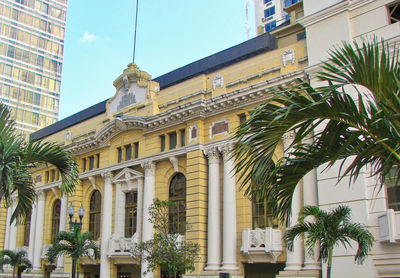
<point>18,157</point>
<point>357,116</point>
<point>17,260</point>
<point>73,244</point>
<point>328,230</point>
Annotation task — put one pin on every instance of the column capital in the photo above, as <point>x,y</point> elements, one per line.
<point>107,175</point>
<point>149,168</point>
<point>212,154</point>
<point>41,195</point>
<point>226,150</point>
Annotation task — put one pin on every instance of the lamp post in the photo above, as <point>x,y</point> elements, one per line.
<point>73,224</point>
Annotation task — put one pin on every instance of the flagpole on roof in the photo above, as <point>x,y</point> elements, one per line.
<point>134,39</point>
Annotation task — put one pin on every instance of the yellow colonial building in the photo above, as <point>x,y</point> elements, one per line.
<point>168,138</point>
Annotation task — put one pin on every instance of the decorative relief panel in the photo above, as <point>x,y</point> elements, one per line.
<point>218,81</point>
<point>193,133</point>
<point>288,56</point>
<point>38,179</point>
<point>219,128</point>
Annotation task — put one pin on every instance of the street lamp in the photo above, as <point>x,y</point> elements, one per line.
<point>73,224</point>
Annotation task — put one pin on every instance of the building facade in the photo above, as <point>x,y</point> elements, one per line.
<point>168,138</point>
<point>31,53</point>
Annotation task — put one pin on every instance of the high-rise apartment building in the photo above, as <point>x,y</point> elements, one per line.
<point>270,13</point>
<point>31,51</point>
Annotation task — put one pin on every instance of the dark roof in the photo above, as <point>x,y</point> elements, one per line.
<point>249,48</point>
<point>74,119</point>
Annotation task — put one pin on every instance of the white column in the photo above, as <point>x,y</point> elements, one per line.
<point>8,226</point>
<point>13,228</point>
<point>119,211</point>
<point>39,231</point>
<point>229,261</point>
<point>148,196</point>
<point>63,226</point>
<point>294,259</point>
<point>32,232</point>
<point>214,211</point>
<point>139,212</point>
<point>106,225</point>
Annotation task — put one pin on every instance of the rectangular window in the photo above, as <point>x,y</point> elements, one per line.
<point>301,36</point>
<point>172,140</point>
<point>119,154</point>
<point>267,1</point>
<point>136,149</point>
<point>91,162</point>
<point>270,25</point>
<point>268,12</point>
<point>47,176</point>
<point>242,118</point>
<point>128,152</point>
<point>53,175</point>
<point>261,217</point>
<point>162,142</point>
<point>98,160</point>
<point>84,164</point>
<point>394,13</point>
<point>183,137</point>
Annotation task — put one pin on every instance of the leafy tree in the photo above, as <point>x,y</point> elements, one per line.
<point>356,116</point>
<point>18,156</point>
<point>73,244</point>
<point>165,250</point>
<point>17,260</point>
<point>328,230</point>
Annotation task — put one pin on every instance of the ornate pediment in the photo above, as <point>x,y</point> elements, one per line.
<point>134,88</point>
<point>127,174</point>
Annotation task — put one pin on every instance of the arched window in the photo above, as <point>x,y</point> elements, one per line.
<point>55,219</point>
<point>95,214</point>
<point>177,211</point>
<point>130,213</point>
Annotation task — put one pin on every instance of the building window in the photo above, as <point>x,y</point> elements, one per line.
<point>267,1</point>
<point>95,214</point>
<point>119,154</point>
<point>270,25</point>
<point>162,142</point>
<point>394,13</point>
<point>136,149</point>
<point>55,220</point>
<point>128,152</point>
<point>172,140</point>
<point>53,175</point>
<point>268,12</point>
<point>242,118</point>
<point>91,162</point>
<point>130,213</point>
<point>261,217</point>
<point>27,229</point>
<point>84,164</point>
<point>177,211</point>
<point>183,137</point>
<point>98,160</point>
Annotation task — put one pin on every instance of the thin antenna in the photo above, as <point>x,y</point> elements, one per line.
<point>134,40</point>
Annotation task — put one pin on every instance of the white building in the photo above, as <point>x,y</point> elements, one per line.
<point>270,13</point>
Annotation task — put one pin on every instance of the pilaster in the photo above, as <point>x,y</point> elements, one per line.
<point>37,266</point>
<point>106,225</point>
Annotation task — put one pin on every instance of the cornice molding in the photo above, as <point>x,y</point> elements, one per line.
<point>335,9</point>
<point>199,108</point>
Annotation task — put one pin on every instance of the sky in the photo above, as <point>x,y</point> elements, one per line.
<point>170,34</point>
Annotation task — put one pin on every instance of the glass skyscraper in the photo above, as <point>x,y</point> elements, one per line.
<point>31,52</point>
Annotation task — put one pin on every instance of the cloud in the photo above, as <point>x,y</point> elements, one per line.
<point>87,37</point>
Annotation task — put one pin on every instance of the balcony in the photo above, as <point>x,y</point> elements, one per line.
<point>262,246</point>
<point>389,226</point>
<point>288,3</point>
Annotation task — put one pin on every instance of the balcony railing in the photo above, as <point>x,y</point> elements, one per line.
<point>288,3</point>
<point>389,226</point>
<point>262,245</point>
